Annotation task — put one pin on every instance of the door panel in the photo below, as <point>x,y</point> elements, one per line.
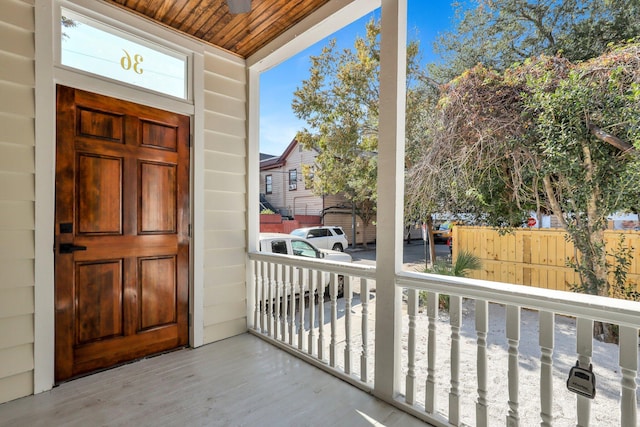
<point>122,211</point>
<point>157,215</point>
<point>157,284</point>
<point>98,285</point>
<point>99,194</point>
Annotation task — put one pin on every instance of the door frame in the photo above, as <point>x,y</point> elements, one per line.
<point>48,75</point>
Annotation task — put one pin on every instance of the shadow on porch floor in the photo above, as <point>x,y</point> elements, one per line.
<point>240,381</point>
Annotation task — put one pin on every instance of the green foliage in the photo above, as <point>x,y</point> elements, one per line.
<point>266,211</point>
<point>617,263</point>
<point>339,103</point>
<point>464,263</point>
<point>500,33</point>
<point>547,135</point>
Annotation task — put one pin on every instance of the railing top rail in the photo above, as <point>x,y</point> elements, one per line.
<point>348,269</point>
<point>617,311</point>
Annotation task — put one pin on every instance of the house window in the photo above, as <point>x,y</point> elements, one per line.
<point>293,179</point>
<point>268,184</point>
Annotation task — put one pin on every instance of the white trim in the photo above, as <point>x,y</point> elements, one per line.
<point>122,91</point>
<point>253,179</point>
<point>331,17</point>
<point>47,76</point>
<point>45,131</point>
<point>196,331</point>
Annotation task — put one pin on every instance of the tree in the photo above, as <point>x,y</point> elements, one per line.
<point>339,102</point>
<point>549,135</point>
<point>499,33</point>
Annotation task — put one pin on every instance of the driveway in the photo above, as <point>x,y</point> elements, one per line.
<point>413,255</point>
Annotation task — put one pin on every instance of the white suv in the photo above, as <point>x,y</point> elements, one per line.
<point>286,244</point>
<point>325,237</point>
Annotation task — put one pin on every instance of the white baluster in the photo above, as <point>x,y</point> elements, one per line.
<point>629,368</point>
<point>482,328</point>
<point>334,319</point>
<point>321,285</point>
<point>455,319</point>
<point>347,323</point>
<point>412,310</point>
<point>316,277</point>
<point>276,300</point>
<point>283,302</point>
<point>513,338</point>
<point>364,355</point>
<point>256,290</point>
<point>547,326</point>
<point>584,344</point>
<point>270,286</point>
<point>303,275</point>
<point>430,392</point>
<point>283,276</point>
<point>292,286</point>
<point>265,296</point>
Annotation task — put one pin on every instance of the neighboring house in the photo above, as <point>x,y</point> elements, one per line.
<point>282,185</point>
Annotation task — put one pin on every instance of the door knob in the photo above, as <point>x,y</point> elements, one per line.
<point>67,248</point>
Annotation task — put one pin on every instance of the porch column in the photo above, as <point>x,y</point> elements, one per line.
<point>390,196</point>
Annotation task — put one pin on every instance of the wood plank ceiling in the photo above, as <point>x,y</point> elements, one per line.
<point>212,22</point>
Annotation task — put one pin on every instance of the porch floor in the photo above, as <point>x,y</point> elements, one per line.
<point>240,381</point>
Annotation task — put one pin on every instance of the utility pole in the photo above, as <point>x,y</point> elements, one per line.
<point>353,225</point>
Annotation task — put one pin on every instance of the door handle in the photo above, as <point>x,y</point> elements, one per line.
<point>68,248</point>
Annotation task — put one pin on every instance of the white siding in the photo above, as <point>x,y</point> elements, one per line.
<point>225,202</point>
<point>17,221</point>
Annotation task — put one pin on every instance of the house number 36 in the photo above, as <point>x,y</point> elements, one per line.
<point>128,63</point>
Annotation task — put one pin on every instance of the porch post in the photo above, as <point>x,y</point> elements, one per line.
<point>390,196</point>
<point>253,182</point>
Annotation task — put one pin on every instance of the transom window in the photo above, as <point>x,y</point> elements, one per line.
<point>88,45</point>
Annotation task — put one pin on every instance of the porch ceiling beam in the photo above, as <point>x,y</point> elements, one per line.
<point>330,18</point>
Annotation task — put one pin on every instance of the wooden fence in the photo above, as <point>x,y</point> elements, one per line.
<point>535,257</point>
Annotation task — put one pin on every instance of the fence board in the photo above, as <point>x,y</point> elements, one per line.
<point>535,257</point>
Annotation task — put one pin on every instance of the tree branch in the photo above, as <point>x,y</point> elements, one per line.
<point>553,201</point>
<point>621,145</point>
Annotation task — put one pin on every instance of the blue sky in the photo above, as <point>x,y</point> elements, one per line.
<point>278,124</point>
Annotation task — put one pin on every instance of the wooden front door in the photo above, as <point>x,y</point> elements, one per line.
<point>121,232</point>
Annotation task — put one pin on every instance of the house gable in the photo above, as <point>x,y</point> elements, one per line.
<point>291,198</point>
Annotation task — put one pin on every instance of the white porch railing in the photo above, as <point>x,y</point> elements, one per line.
<point>492,318</point>
<point>330,332</point>
<point>499,355</point>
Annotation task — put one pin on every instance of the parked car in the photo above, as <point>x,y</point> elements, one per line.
<point>287,244</point>
<point>324,237</point>
<point>443,232</point>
